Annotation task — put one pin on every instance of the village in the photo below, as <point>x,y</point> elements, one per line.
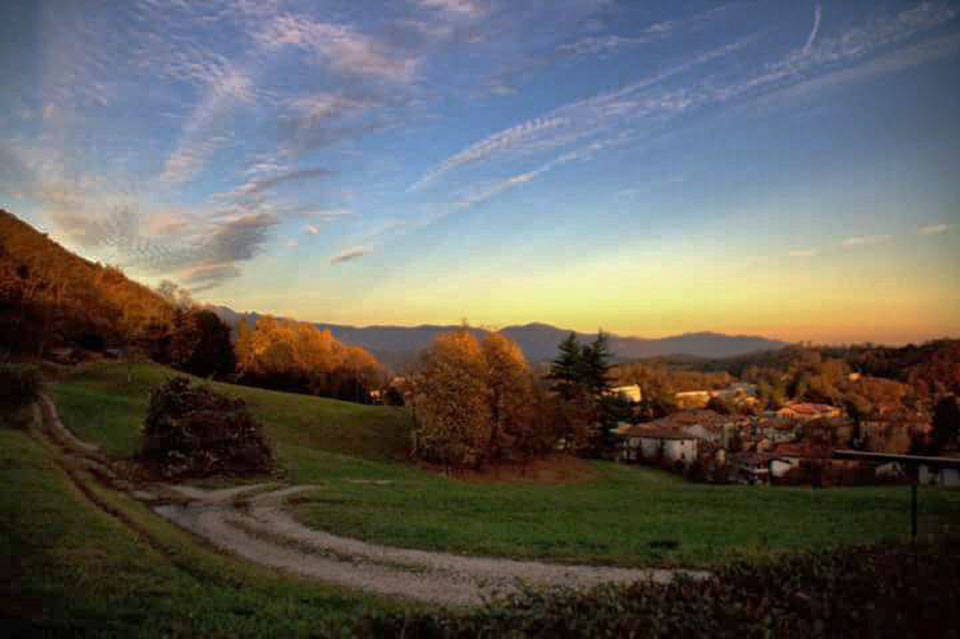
<point>793,445</point>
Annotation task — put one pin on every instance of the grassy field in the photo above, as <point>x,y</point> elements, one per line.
<point>101,406</point>
<point>624,515</point>
<point>67,567</point>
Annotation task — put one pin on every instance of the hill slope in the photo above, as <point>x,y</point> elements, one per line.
<point>49,295</point>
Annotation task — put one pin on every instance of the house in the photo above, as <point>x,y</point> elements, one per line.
<point>645,444</point>
<point>753,468</point>
<point>776,431</point>
<point>703,424</point>
<point>740,392</point>
<point>791,455</point>
<point>692,399</point>
<point>631,393</point>
<point>932,475</point>
<point>808,411</point>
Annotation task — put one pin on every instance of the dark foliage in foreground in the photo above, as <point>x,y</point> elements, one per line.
<point>862,592</point>
<point>194,432</point>
<point>20,385</point>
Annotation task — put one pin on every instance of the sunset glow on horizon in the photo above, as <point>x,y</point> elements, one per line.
<point>783,169</point>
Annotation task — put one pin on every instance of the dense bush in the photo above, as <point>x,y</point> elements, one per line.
<point>862,592</point>
<point>19,385</point>
<point>194,432</point>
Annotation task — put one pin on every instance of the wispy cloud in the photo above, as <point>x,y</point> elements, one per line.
<point>592,45</point>
<point>204,132</point>
<point>202,251</point>
<point>817,13</point>
<point>461,7</point>
<point>864,240</point>
<point>646,106</point>
<point>581,118</point>
<point>339,47</point>
<point>933,229</point>
<point>261,183</point>
<point>503,140</point>
<point>808,252</point>
<point>350,254</point>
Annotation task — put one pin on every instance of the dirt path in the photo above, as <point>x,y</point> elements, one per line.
<point>251,522</point>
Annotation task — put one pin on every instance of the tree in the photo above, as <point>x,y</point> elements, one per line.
<point>581,380</point>
<point>946,423</point>
<point>566,370</point>
<point>300,357</point>
<point>177,296</point>
<point>200,344</point>
<point>511,395</point>
<point>595,366</point>
<point>452,406</point>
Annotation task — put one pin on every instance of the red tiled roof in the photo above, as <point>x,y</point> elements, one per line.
<point>803,449</point>
<point>809,408</point>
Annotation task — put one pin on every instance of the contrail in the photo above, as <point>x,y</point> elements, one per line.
<point>817,11</point>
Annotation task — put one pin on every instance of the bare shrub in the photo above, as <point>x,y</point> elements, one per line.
<point>195,432</point>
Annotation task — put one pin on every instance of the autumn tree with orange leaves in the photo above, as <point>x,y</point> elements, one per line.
<point>300,357</point>
<point>476,403</point>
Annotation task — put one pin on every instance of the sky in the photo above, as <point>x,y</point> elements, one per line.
<point>788,169</point>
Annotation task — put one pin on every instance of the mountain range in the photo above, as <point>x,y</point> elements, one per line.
<point>398,346</point>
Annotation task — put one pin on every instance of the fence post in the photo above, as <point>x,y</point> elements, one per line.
<point>913,510</point>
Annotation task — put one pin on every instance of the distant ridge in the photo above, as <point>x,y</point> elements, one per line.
<point>398,345</point>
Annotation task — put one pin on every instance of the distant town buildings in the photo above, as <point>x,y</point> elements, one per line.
<point>631,393</point>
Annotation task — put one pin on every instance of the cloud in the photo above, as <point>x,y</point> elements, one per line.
<point>864,240</point>
<point>802,253</point>
<point>204,131</point>
<point>167,224</point>
<point>592,45</point>
<point>322,216</point>
<point>255,185</point>
<point>580,118</point>
<point>349,254</point>
<point>503,140</point>
<point>325,118</point>
<point>933,229</point>
<point>239,238</point>
<point>643,109</point>
<point>201,250</point>
<point>321,107</point>
<point>208,275</point>
<point>817,12</point>
<point>461,7</point>
<point>339,47</point>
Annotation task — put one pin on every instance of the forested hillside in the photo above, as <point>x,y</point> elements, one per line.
<point>49,297</point>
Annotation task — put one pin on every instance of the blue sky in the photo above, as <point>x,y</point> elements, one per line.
<point>782,168</point>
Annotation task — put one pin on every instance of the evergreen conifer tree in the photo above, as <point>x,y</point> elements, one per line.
<point>566,370</point>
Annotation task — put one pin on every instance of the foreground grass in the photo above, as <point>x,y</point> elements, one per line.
<point>878,591</point>
<point>68,568</point>
<point>627,515</point>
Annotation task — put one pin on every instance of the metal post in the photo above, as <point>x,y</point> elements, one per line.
<point>913,510</point>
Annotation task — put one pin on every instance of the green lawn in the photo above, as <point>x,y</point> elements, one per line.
<point>627,515</point>
<point>101,406</point>
<point>67,568</point>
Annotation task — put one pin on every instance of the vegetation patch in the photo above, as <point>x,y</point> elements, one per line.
<point>858,592</point>
<point>195,432</point>
<point>20,385</point>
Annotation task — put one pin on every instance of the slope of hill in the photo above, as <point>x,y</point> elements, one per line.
<point>400,344</point>
<point>49,295</point>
